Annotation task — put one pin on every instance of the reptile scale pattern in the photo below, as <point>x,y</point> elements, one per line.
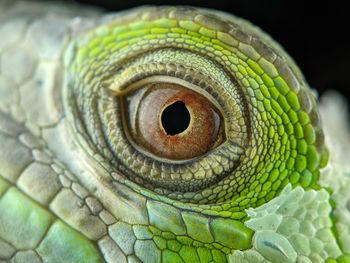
<point>75,188</point>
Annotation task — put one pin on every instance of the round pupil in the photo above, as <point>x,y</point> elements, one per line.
<point>175,118</point>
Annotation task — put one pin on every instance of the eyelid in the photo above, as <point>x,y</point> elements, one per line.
<point>171,62</point>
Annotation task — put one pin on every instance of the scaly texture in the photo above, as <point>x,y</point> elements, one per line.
<point>75,188</point>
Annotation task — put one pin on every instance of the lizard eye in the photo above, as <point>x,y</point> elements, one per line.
<point>194,108</point>
<point>171,121</point>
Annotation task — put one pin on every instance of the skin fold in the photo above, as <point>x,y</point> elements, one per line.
<point>76,186</point>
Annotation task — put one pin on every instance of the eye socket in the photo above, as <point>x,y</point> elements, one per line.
<point>110,118</point>
<point>172,121</point>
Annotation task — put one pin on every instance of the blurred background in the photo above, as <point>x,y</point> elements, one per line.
<point>316,36</point>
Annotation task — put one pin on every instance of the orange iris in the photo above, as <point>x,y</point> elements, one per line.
<point>175,122</point>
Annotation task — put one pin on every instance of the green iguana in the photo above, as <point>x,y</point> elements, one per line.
<point>163,134</point>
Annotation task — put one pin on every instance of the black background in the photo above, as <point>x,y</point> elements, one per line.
<point>316,36</point>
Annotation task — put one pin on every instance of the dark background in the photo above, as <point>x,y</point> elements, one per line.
<point>316,36</point>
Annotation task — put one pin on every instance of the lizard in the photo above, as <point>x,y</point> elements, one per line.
<point>95,167</point>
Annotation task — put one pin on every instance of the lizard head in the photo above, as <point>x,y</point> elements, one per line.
<point>194,132</point>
